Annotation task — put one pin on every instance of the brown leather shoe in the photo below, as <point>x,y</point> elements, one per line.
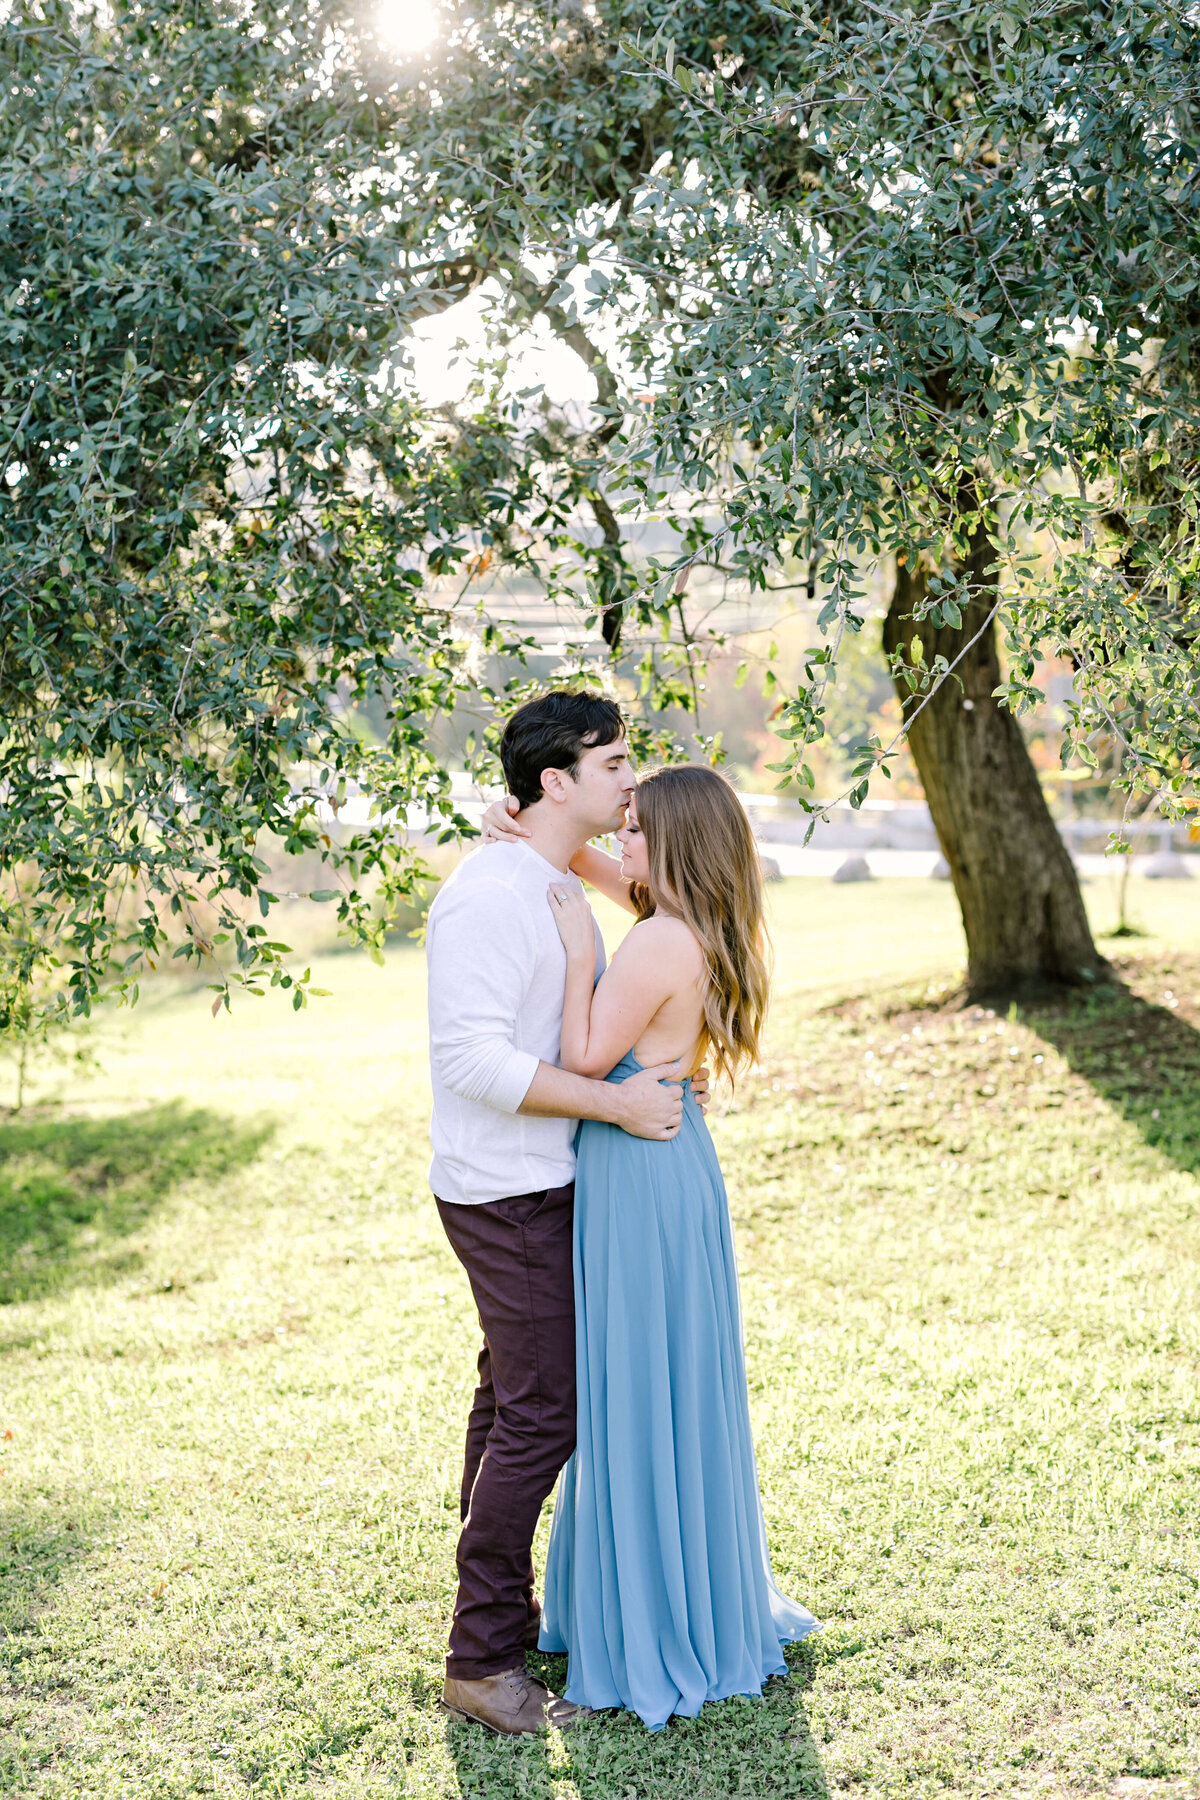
<point>511,1703</point>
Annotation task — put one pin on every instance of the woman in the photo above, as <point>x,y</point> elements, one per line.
<point>658,1583</point>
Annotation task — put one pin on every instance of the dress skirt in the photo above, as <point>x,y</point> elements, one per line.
<point>658,1581</point>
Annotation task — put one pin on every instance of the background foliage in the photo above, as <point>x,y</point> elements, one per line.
<point>219,507</point>
<point>850,287</point>
<point>886,284</point>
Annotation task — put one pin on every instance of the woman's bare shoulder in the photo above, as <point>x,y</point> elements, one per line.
<point>661,936</point>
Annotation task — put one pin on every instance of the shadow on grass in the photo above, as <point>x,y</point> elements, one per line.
<point>1140,1057</point>
<point>72,1191</point>
<point>760,1749</point>
<point>43,1541</point>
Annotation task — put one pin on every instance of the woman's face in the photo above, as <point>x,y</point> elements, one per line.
<point>635,862</point>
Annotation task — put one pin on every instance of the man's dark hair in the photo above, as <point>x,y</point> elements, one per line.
<point>552,733</point>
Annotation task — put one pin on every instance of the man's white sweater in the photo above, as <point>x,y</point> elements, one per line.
<point>497,971</point>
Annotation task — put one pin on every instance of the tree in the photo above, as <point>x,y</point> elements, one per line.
<point>220,502</point>
<point>892,281</point>
<point>821,271</point>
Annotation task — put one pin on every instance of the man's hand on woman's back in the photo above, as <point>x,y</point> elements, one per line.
<point>650,1104</point>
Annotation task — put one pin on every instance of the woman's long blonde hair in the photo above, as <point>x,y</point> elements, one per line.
<point>704,866</point>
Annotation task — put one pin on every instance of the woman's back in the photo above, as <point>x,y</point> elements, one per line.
<point>667,946</point>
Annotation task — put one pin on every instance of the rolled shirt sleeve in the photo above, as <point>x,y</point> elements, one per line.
<point>477,982</point>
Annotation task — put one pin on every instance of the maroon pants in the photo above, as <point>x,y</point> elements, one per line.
<point>517,1254</point>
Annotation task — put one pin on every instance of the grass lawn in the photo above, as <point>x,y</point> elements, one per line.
<point>236,1353</point>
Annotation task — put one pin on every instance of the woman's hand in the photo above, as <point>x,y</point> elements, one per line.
<point>573,916</point>
<point>500,825</point>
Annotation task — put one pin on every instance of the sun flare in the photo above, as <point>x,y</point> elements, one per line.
<point>407,25</point>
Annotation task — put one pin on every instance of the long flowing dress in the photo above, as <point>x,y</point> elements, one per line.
<point>658,1581</point>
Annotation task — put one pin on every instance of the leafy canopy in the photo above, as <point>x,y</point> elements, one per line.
<point>220,499</point>
<point>853,285</point>
<point>892,281</point>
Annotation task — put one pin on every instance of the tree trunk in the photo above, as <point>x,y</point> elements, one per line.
<point>1022,910</point>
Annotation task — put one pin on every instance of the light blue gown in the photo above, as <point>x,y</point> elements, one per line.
<point>658,1582</point>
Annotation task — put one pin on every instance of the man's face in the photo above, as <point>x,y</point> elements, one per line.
<point>599,794</point>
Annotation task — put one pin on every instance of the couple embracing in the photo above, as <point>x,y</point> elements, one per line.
<point>578,1184</point>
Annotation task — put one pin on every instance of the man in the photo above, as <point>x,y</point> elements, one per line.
<point>504,1117</point>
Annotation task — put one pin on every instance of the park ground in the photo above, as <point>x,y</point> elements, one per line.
<point>236,1353</point>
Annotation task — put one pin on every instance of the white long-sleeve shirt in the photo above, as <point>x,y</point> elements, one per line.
<point>497,972</point>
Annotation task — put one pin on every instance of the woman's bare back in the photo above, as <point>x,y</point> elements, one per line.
<point>675,1030</point>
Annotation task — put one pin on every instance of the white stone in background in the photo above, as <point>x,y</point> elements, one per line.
<point>770,868</point>
<point>1165,866</point>
<point>855,868</point>
<point>793,860</point>
<point>940,870</point>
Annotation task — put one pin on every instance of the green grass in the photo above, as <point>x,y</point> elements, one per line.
<point>237,1352</point>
